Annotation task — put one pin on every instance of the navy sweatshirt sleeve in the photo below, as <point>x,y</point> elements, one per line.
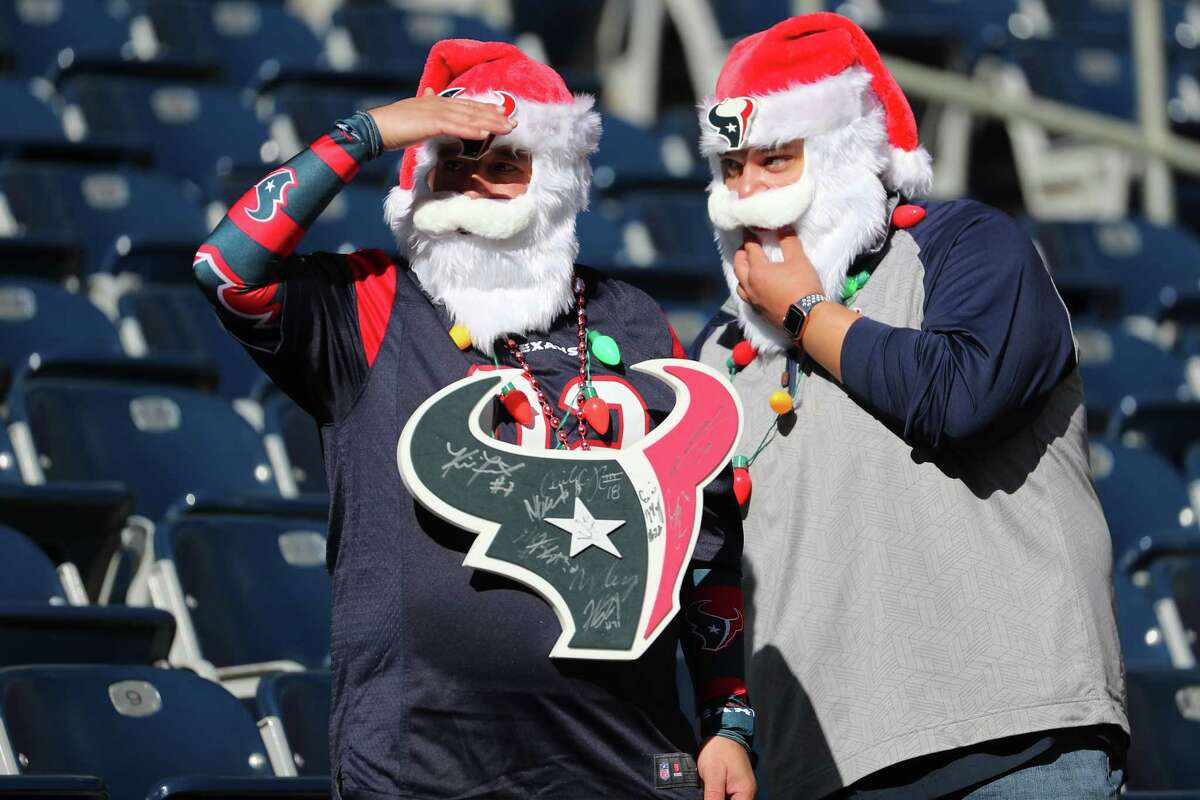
<point>995,337</point>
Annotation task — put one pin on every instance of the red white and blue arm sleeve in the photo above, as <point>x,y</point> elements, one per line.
<point>314,322</point>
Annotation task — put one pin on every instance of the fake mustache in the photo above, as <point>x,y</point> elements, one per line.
<point>768,209</point>
<point>442,213</point>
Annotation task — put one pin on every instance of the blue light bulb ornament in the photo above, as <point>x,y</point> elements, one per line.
<point>604,348</point>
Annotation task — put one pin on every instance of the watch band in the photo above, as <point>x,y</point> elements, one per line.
<point>798,313</point>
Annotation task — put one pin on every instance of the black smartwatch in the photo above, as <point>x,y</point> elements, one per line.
<point>798,311</point>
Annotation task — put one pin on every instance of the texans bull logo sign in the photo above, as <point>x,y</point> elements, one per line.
<point>475,148</point>
<point>731,118</point>
<point>602,535</point>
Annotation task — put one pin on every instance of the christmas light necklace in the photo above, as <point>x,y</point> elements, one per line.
<point>590,408</point>
<point>782,401</point>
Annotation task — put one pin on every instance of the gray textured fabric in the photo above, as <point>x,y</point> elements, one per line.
<point>902,603</point>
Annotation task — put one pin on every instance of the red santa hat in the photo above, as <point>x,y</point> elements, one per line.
<point>805,76</point>
<point>557,128</point>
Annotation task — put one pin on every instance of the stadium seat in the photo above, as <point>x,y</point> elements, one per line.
<point>630,158</point>
<point>298,435</point>
<point>1143,643</point>
<point>1125,477</point>
<point>256,587</point>
<point>144,423</point>
<point>1167,426</point>
<point>1164,259</point>
<point>353,220</point>
<point>1095,76</point>
<point>140,729</point>
<point>31,325</point>
<point>390,41</point>
<point>111,213</point>
<point>1164,720</point>
<point>296,706</point>
<point>30,127</point>
<point>204,134</point>
<point>167,321</point>
<point>52,787</point>
<point>1105,354</point>
<point>10,473</point>
<point>602,240</point>
<point>41,622</point>
<point>49,38</point>
<point>302,114</point>
<point>262,42</point>
<point>679,228</point>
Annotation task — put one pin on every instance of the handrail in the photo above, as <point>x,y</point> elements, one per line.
<point>978,96</point>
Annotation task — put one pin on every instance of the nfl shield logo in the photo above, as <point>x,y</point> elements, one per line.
<point>663,771</point>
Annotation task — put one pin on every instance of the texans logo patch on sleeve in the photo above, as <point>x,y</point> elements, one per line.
<point>271,194</point>
<point>731,118</point>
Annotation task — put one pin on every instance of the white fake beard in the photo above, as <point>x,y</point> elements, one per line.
<point>500,267</point>
<point>838,209</point>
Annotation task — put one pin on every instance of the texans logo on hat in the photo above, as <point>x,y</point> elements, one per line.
<point>475,148</point>
<point>731,118</point>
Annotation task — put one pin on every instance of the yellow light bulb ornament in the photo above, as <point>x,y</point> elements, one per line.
<point>461,336</point>
<point>781,402</point>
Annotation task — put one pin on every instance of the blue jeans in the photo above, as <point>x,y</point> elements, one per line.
<point>1073,775</point>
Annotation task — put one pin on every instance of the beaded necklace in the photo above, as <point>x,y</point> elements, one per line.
<point>783,401</point>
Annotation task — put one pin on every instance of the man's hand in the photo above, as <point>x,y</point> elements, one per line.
<point>771,286</point>
<point>416,119</point>
<point>724,766</point>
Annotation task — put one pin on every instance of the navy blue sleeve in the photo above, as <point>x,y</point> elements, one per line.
<point>995,337</point>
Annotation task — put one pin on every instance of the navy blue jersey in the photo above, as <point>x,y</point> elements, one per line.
<point>442,686</point>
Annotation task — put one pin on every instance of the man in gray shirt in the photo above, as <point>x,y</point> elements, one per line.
<point>931,571</point>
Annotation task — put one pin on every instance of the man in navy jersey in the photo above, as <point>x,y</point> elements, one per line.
<point>442,687</point>
<point>933,612</point>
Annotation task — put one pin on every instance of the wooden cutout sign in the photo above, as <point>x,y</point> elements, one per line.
<point>605,535</point>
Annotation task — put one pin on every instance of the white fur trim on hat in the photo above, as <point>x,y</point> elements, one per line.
<point>806,110</point>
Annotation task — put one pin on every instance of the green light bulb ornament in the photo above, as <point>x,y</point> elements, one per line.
<point>604,348</point>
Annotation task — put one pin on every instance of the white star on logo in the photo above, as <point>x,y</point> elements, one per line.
<point>714,629</point>
<point>731,127</point>
<point>270,187</point>
<point>587,531</point>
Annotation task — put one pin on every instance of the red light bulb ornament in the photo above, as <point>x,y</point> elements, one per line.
<point>595,410</point>
<point>742,484</point>
<point>517,405</point>
<point>743,354</point>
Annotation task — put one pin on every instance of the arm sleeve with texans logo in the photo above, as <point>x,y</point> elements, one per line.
<point>313,321</point>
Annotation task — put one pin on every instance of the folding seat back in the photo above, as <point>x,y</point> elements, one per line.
<point>1143,642</point>
<point>300,438</point>
<point>1125,478</point>
<point>131,726</point>
<point>1164,721</point>
<point>10,473</point>
<point>388,39</point>
<point>169,321</point>
<point>297,704</point>
<point>631,158</point>
<point>50,37</point>
<point>32,317</point>
<point>163,441</point>
<point>256,589</point>
<point>1091,75</point>
<point>679,227</point>
<point>351,222</point>
<point>1105,354</point>
<point>262,42</point>
<point>30,125</point>
<point>109,212</point>
<point>26,574</point>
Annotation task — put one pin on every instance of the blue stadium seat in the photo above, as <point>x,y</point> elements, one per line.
<point>1125,477</point>
<point>1165,260</point>
<point>601,234</point>
<point>679,228</point>
<point>10,473</point>
<point>1164,715</point>
<point>630,158</point>
<point>205,134</point>
<point>140,729</point>
<point>262,42</point>
<point>737,19</point>
<point>1143,645</point>
<point>38,624</point>
<point>1105,354</point>
<point>311,111</point>
<point>299,435</point>
<point>143,423</point>
<point>353,220</point>
<point>1095,76</point>
<point>30,126</point>
<point>257,586</point>
<point>395,42</point>
<point>53,37</point>
<point>1167,426</point>
<point>298,704</point>
<point>179,321</point>
<point>32,314</point>
<point>1091,292</point>
<point>52,787</point>
<point>112,213</point>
